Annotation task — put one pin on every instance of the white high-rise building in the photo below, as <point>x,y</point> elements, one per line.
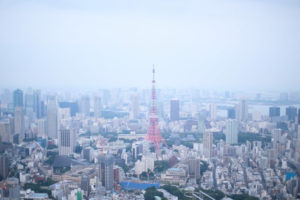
<point>52,118</point>
<point>41,128</point>
<point>232,131</point>
<point>84,105</point>
<point>212,110</point>
<point>135,106</point>
<point>207,144</point>
<point>19,123</point>
<point>66,142</point>
<point>63,117</point>
<point>143,165</point>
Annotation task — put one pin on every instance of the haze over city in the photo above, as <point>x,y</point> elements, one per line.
<point>108,44</point>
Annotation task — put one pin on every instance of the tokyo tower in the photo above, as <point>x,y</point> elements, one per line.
<point>153,134</point>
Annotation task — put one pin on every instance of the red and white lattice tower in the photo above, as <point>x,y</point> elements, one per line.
<point>153,134</point>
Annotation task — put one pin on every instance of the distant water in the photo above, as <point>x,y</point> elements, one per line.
<point>263,109</point>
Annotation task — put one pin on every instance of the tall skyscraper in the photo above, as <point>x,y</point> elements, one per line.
<point>84,105</point>
<point>4,166</point>
<point>5,130</point>
<point>212,111</point>
<point>18,98</point>
<point>97,107</point>
<point>52,118</point>
<point>135,106</point>
<point>66,142</point>
<point>276,135</point>
<point>291,113</point>
<point>174,110</point>
<point>207,144</point>
<point>274,111</point>
<point>243,110</point>
<point>194,168</point>
<point>19,123</point>
<point>37,103</point>
<point>232,131</point>
<point>85,184</point>
<point>231,113</point>
<point>41,128</point>
<point>29,103</point>
<point>43,109</point>
<point>106,171</point>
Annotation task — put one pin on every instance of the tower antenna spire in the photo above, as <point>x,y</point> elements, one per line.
<point>153,72</point>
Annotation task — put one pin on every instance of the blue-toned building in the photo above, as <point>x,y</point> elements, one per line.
<point>289,175</point>
<point>132,185</point>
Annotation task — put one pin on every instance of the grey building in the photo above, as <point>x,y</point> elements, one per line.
<point>194,168</point>
<point>52,118</point>
<point>19,123</point>
<point>174,110</point>
<point>242,110</point>
<point>274,111</point>
<point>106,171</point>
<point>6,130</point>
<point>4,166</point>
<point>207,144</point>
<point>85,184</point>
<point>87,154</point>
<point>291,113</point>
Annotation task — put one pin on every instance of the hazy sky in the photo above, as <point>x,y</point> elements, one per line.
<point>225,44</point>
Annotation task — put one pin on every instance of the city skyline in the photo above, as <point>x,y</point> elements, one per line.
<point>80,120</point>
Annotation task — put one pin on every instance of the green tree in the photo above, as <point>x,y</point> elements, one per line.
<point>147,175</point>
<point>174,191</point>
<point>242,197</point>
<point>203,167</point>
<point>152,192</point>
<point>161,165</point>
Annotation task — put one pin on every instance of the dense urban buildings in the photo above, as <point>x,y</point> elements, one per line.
<point>233,146</point>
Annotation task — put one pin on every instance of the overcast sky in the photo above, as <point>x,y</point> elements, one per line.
<point>220,44</point>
